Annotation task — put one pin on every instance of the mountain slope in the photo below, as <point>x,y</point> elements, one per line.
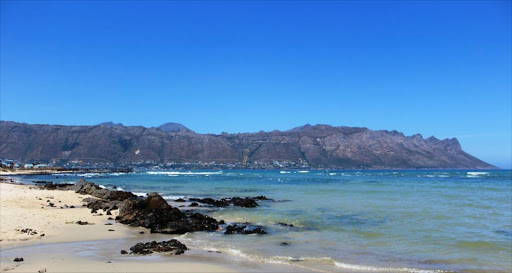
<point>172,127</point>
<point>320,146</point>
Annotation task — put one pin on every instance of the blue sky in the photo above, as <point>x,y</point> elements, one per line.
<point>430,67</point>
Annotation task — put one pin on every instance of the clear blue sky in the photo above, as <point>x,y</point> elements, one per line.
<point>430,67</point>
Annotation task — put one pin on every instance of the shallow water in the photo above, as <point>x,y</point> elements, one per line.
<point>350,220</point>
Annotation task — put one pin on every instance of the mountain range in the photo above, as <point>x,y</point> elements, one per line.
<point>316,146</point>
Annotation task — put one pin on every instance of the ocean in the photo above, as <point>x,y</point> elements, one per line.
<point>384,221</point>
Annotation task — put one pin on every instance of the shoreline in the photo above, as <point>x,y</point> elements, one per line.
<point>27,172</point>
<point>106,250</point>
<point>67,246</point>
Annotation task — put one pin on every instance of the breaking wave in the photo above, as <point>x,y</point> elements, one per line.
<point>477,174</point>
<point>181,173</point>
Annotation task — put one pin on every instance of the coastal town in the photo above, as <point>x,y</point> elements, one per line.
<point>78,165</point>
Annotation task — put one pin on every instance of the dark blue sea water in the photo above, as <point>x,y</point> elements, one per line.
<point>349,220</point>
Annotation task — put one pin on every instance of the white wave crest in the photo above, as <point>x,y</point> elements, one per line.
<point>303,171</point>
<point>284,172</point>
<point>173,197</point>
<point>116,174</point>
<point>477,173</point>
<point>182,173</point>
<point>354,267</point>
<point>140,193</point>
<point>89,174</point>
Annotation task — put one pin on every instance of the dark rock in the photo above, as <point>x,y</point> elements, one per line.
<point>28,231</point>
<point>42,182</point>
<point>180,200</point>
<point>141,232</point>
<point>96,204</point>
<point>155,213</point>
<point>110,218</point>
<point>261,197</point>
<point>53,186</point>
<point>173,246</point>
<point>108,224</point>
<point>194,204</point>
<point>285,224</point>
<point>111,230</point>
<point>285,243</point>
<point>124,252</point>
<point>242,229</point>
<point>85,187</point>
<point>18,259</point>
<point>224,202</point>
<point>71,207</point>
<point>82,223</point>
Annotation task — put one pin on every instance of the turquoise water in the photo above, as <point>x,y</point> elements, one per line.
<point>349,220</point>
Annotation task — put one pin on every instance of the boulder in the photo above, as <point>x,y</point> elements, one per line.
<point>246,202</point>
<point>243,229</point>
<point>154,213</point>
<point>84,187</point>
<point>172,246</point>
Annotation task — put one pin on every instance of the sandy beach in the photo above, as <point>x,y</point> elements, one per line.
<point>55,243</point>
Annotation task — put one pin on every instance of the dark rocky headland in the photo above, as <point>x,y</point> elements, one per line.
<point>171,145</point>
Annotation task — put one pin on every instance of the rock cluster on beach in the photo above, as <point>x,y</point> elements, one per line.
<point>172,246</point>
<point>154,213</point>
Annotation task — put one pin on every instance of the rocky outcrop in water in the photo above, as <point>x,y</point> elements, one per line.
<point>319,146</point>
<point>246,202</point>
<point>244,229</point>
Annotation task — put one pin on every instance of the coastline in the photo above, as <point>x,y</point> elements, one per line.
<point>67,247</point>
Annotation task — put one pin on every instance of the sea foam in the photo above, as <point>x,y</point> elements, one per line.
<point>181,173</point>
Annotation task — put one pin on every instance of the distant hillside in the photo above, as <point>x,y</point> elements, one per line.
<point>320,146</point>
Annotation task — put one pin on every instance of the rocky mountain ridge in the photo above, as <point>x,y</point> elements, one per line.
<point>315,146</point>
